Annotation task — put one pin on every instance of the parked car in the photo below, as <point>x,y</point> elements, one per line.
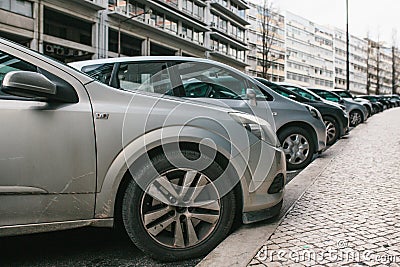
<point>357,112</point>
<point>174,173</point>
<point>395,99</point>
<point>392,102</point>
<point>366,103</point>
<point>334,116</point>
<point>379,105</point>
<point>300,128</point>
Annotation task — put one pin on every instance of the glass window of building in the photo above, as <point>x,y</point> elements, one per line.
<point>135,9</point>
<point>172,2</point>
<point>18,6</point>
<point>223,24</point>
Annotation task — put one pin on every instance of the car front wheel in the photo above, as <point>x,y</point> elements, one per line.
<point>173,217</point>
<point>332,130</point>
<point>298,147</point>
<point>355,118</point>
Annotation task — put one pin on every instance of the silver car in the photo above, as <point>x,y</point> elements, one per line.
<point>174,173</point>
<point>299,127</point>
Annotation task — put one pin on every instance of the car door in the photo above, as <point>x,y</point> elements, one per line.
<point>47,155</point>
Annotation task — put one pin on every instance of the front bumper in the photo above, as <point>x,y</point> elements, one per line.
<point>320,129</point>
<point>344,125</point>
<point>264,165</point>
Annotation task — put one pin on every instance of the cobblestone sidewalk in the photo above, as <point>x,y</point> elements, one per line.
<point>350,216</point>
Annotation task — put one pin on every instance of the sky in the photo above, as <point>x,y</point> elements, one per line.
<point>379,18</point>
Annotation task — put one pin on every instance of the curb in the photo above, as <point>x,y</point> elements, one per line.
<point>239,248</point>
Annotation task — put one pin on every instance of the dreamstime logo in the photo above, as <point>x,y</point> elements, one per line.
<point>341,253</point>
<point>166,125</point>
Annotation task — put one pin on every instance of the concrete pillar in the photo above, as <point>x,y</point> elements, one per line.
<point>40,26</point>
<point>101,41</point>
<point>146,47</point>
<point>37,41</point>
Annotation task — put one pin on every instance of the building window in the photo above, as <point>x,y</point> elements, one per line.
<point>67,27</point>
<point>172,2</point>
<point>171,25</point>
<point>192,8</point>
<point>18,6</point>
<point>136,9</point>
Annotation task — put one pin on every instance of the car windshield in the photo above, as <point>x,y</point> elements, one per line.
<point>344,94</point>
<point>303,93</point>
<point>327,95</point>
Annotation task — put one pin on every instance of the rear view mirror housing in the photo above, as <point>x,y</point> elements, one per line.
<point>36,86</point>
<point>28,84</point>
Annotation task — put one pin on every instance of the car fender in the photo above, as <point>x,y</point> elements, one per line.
<point>106,197</point>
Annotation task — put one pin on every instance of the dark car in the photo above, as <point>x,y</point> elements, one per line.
<point>357,112</point>
<point>371,107</point>
<point>335,119</point>
<point>392,102</point>
<point>395,99</point>
<point>375,100</point>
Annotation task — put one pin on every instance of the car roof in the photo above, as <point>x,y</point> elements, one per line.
<point>80,64</point>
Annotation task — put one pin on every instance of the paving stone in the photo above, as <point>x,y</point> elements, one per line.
<point>352,205</point>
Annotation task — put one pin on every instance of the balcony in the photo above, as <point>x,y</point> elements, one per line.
<point>237,15</point>
<point>93,4</point>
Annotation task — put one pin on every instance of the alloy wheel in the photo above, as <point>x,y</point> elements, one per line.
<point>177,212</point>
<point>330,131</point>
<point>296,148</point>
<point>355,118</point>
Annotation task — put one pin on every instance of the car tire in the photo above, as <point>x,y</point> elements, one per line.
<point>298,146</point>
<point>189,235</point>
<point>355,118</point>
<point>332,130</point>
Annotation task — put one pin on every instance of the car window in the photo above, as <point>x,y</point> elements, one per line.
<point>100,72</point>
<point>328,96</point>
<point>201,79</point>
<point>10,63</point>
<point>145,76</point>
<point>301,92</point>
<point>343,94</point>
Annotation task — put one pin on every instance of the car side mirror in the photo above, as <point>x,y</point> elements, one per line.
<point>28,84</point>
<point>252,96</point>
<point>341,101</point>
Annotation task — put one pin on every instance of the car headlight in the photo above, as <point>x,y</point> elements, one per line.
<point>314,112</point>
<point>257,126</point>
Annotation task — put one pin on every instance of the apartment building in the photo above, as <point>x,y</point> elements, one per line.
<point>395,70</point>
<point>358,62</point>
<point>309,53</point>
<point>86,29</point>
<point>272,24</point>
<point>379,79</point>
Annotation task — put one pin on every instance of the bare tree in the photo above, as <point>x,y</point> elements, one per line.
<point>378,61</point>
<point>368,64</point>
<point>268,33</point>
<point>395,61</point>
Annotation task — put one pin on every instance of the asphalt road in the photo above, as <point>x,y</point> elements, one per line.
<point>79,247</point>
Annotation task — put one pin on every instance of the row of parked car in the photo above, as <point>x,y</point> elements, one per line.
<point>176,151</point>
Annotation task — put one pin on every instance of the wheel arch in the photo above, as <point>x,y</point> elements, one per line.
<point>118,172</point>
<point>219,158</point>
